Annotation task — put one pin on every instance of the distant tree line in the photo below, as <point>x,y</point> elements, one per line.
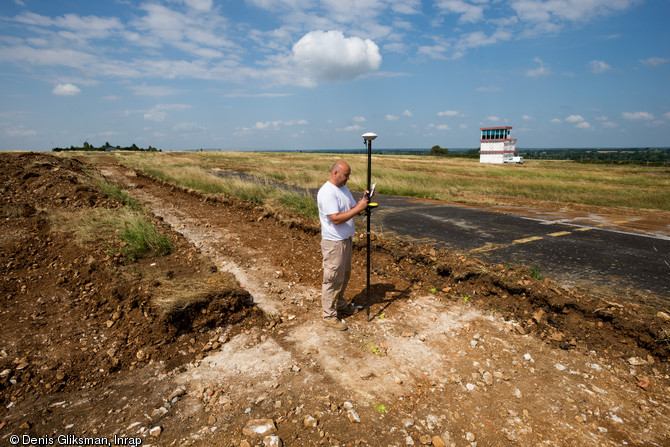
<point>444,152</point>
<point>105,147</point>
<point>643,156</point>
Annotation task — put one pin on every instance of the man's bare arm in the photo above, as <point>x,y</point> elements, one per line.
<point>340,218</point>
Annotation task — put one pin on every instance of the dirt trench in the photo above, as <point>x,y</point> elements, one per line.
<point>458,352</point>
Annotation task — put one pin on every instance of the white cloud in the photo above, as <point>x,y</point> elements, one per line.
<point>542,70</point>
<point>438,126</point>
<point>479,39</point>
<point>20,131</point>
<point>257,95</point>
<point>406,6</point>
<point>267,125</point>
<point>66,90</point>
<point>654,62</point>
<point>358,119</point>
<point>331,56</point>
<point>159,112</point>
<point>575,119</point>
<point>89,27</point>
<point>74,27</point>
<point>557,11</point>
<point>527,118</point>
<point>597,66</point>
<point>155,115</point>
<point>490,88</point>
<point>579,122</point>
<point>666,115</point>
<point>189,127</point>
<point>200,5</point>
<point>493,119</point>
<point>274,126</point>
<point>449,113</point>
<point>605,122</point>
<point>395,47</point>
<point>469,13</point>
<point>433,51</point>
<point>556,120</point>
<point>636,116</point>
<point>51,56</point>
<point>154,90</point>
<point>296,123</point>
<point>407,114</point>
<point>391,118</point>
<point>200,32</point>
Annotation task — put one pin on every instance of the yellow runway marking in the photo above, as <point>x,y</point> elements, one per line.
<point>488,247</point>
<point>528,239</point>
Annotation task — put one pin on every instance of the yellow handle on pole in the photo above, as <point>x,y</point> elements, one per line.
<point>370,205</point>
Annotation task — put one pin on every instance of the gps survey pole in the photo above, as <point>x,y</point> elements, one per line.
<point>367,138</point>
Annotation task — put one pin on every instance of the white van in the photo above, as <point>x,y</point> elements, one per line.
<point>518,160</point>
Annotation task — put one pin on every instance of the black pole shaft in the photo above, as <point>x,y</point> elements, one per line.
<point>368,224</point>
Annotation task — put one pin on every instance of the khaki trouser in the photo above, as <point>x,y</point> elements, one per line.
<point>336,274</point>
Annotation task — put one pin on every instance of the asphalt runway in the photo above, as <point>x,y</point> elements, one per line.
<point>571,251</point>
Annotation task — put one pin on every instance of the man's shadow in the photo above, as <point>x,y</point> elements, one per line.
<point>378,294</point>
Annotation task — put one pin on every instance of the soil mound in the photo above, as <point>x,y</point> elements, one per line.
<point>74,313</point>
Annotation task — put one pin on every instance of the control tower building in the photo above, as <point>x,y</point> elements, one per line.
<point>496,146</point>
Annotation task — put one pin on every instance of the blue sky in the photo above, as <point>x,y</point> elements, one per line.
<point>308,74</point>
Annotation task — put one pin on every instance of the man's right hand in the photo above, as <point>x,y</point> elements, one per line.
<point>362,204</point>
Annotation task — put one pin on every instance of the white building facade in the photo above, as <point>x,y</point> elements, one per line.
<point>496,146</point>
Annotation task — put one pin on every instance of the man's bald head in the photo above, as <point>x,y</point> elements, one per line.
<point>339,166</point>
<point>339,173</point>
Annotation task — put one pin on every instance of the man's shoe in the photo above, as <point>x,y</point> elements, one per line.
<point>348,310</point>
<point>335,323</point>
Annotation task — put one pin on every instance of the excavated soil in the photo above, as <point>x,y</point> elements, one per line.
<point>456,352</point>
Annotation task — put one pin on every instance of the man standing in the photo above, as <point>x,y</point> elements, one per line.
<point>337,209</point>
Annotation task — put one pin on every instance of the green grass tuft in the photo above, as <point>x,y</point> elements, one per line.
<point>535,270</point>
<point>141,237</point>
<point>111,190</point>
<point>137,237</point>
<point>300,203</point>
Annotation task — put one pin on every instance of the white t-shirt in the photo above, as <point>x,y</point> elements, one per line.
<point>334,200</point>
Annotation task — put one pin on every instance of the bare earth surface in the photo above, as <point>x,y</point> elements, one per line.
<point>457,352</point>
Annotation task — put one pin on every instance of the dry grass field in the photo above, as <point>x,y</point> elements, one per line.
<point>457,180</point>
